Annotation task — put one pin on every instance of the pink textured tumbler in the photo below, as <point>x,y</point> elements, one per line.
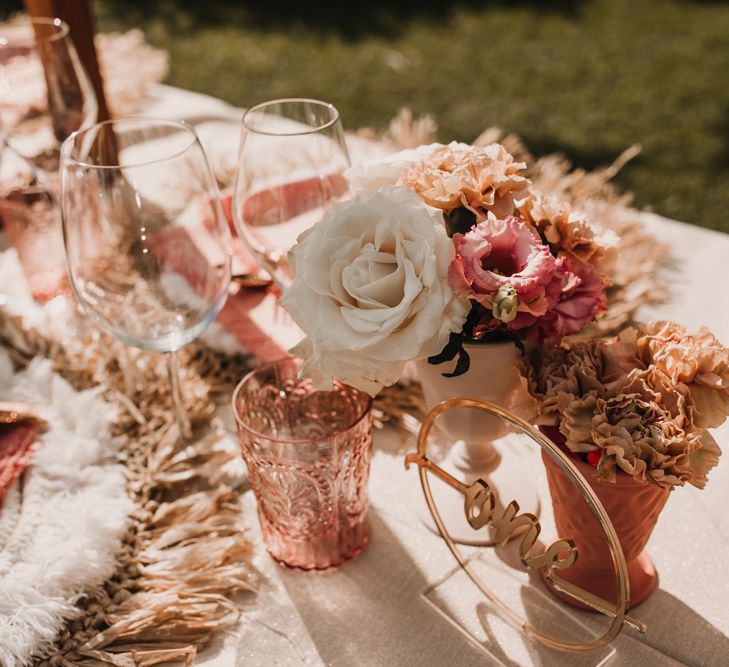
<point>308,455</point>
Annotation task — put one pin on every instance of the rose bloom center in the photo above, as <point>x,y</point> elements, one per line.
<point>375,279</point>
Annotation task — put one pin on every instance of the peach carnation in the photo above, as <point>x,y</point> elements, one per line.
<point>482,180</point>
<point>636,402</point>
<point>565,229</point>
<point>638,437</point>
<point>697,360</point>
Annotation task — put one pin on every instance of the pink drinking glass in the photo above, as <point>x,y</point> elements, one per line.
<point>308,455</point>
<point>33,225</point>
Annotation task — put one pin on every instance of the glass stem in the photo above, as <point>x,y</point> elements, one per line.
<point>173,370</point>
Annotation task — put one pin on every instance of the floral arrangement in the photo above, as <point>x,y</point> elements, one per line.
<point>441,245</point>
<point>639,403</point>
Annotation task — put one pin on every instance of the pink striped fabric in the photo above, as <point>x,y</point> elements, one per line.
<point>252,316</point>
<point>16,446</point>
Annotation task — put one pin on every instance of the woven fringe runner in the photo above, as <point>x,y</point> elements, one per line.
<point>187,552</point>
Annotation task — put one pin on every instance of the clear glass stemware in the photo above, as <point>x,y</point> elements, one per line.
<point>291,167</point>
<point>45,95</point>
<point>147,244</point>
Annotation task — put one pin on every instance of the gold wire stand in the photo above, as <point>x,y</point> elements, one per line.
<point>479,506</point>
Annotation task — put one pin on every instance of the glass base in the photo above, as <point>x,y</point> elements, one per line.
<point>320,552</point>
<point>642,578</point>
<point>458,599</point>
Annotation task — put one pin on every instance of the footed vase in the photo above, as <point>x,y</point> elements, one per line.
<point>493,376</point>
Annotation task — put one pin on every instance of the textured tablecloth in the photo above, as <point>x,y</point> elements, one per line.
<point>403,602</point>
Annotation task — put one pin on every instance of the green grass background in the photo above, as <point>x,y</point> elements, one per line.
<point>586,78</point>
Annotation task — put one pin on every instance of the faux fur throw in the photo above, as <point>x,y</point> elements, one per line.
<point>62,522</point>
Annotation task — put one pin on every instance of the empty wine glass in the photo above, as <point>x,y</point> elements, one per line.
<point>147,244</point>
<point>45,95</point>
<point>291,167</point>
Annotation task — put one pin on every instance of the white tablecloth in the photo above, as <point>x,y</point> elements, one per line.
<point>383,609</point>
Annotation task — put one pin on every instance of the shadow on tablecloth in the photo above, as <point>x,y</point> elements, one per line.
<point>370,612</point>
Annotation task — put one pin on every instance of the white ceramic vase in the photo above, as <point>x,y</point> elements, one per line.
<point>493,376</point>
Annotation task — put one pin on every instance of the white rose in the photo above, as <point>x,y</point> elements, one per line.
<point>371,290</point>
<point>368,177</point>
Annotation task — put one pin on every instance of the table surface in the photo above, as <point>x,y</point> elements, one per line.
<point>404,601</point>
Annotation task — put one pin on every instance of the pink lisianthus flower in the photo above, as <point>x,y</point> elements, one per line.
<point>505,267</point>
<point>504,253</point>
<point>580,297</point>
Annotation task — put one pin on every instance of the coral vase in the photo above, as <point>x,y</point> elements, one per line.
<point>633,508</point>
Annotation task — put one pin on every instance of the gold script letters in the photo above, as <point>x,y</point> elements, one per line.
<point>480,505</point>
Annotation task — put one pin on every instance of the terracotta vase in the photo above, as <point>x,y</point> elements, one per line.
<point>633,508</point>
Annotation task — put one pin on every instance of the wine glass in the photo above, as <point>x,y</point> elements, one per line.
<point>45,95</point>
<point>291,167</point>
<point>147,243</point>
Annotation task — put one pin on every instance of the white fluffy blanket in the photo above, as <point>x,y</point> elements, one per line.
<point>62,522</point>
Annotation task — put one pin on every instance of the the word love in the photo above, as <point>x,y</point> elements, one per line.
<point>480,507</point>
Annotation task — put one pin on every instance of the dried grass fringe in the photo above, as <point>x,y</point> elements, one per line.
<point>187,553</point>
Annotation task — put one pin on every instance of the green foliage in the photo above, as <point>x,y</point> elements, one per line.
<point>585,78</point>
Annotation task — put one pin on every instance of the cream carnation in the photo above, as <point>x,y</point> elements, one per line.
<point>371,290</point>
